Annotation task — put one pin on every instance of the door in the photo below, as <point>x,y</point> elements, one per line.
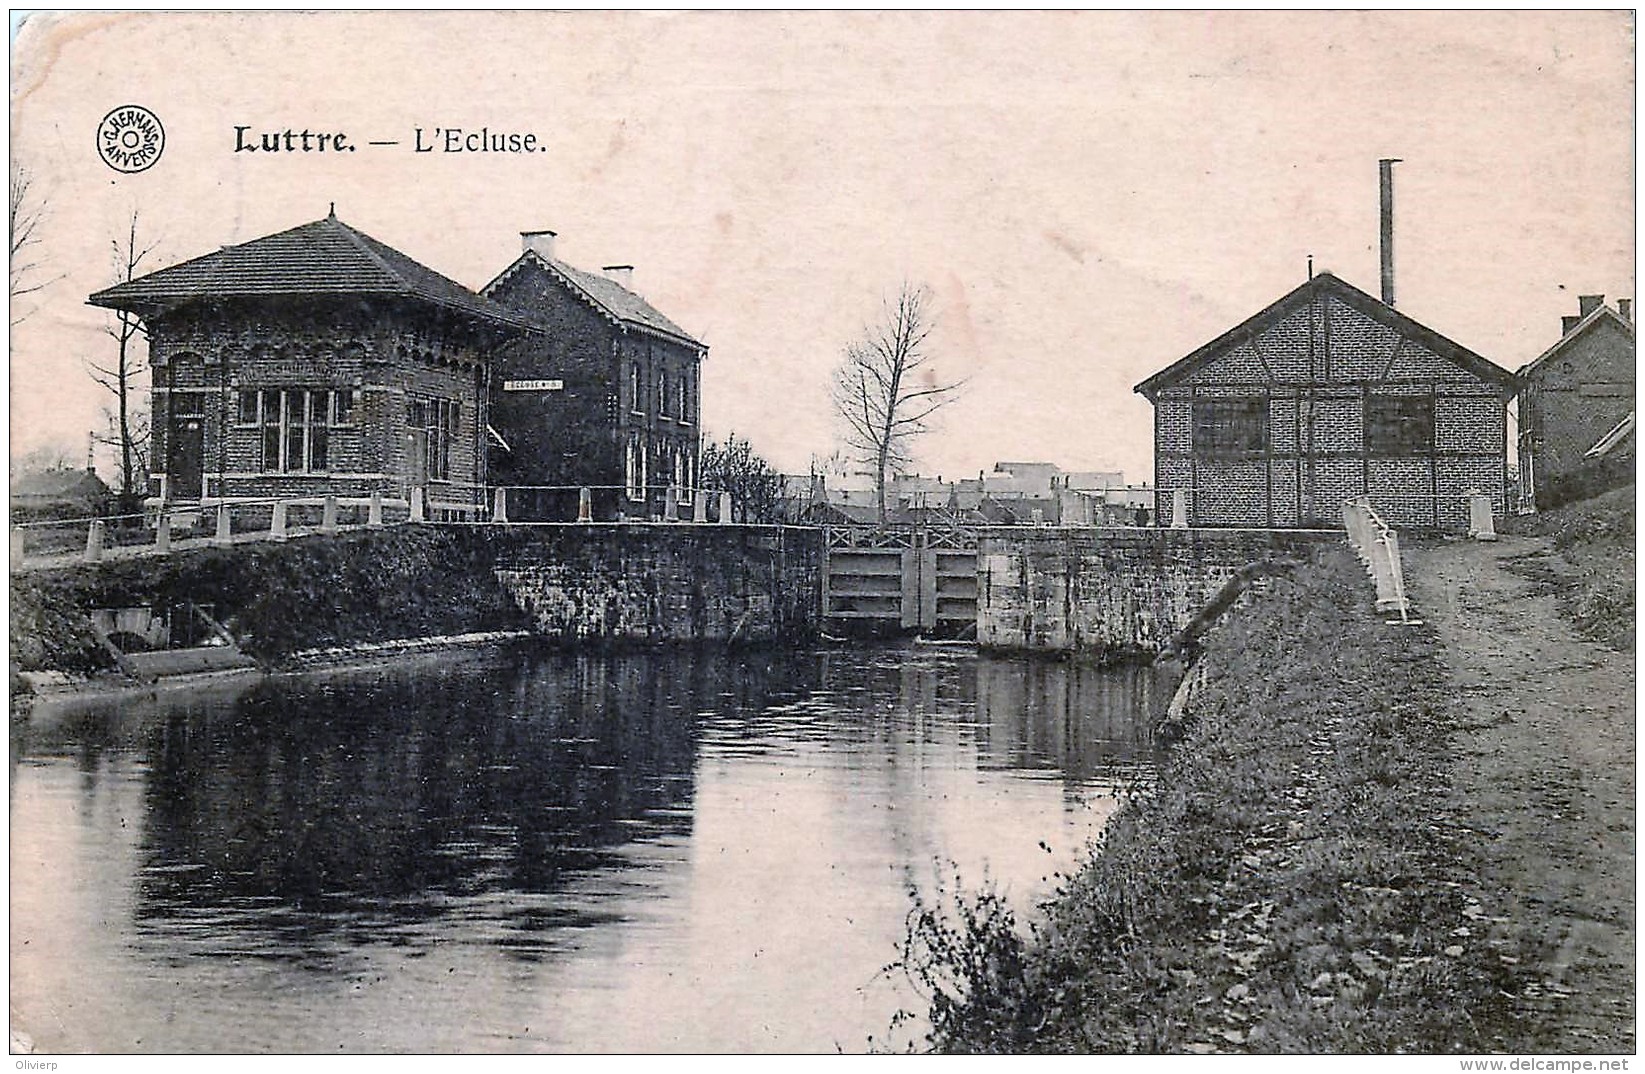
<point>188,454</point>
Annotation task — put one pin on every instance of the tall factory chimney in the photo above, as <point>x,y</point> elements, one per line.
<point>1386,167</point>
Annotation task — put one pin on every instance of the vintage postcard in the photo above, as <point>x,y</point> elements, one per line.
<point>784,532</point>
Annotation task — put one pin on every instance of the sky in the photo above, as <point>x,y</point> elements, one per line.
<point>1088,196</point>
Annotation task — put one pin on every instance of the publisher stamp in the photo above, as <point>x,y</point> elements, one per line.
<point>130,138</point>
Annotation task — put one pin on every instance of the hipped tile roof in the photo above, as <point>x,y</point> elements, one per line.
<point>326,257</point>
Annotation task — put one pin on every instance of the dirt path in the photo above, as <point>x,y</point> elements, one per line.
<point>1545,773</point>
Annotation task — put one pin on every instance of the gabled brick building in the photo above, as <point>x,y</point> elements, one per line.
<point>1327,394</point>
<point>1576,392</point>
<point>606,394</point>
<point>316,361</point>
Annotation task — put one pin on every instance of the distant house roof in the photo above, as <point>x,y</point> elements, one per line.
<point>55,485</point>
<point>1597,315</point>
<point>326,257</point>
<point>1621,433</point>
<point>613,300</point>
<point>856,514</point>
<point>1322,285</point>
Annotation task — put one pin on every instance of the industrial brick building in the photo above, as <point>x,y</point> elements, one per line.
<point>1572,396</point>
<point>1327,394</point>
<point>606,394</point>
<point>316,361</point>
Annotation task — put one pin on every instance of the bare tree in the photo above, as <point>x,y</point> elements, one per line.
<point>28,212</point>
<point>129,428</point>
<point>885,388</point>
<point>755,486</point>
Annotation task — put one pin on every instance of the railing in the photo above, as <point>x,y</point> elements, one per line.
<point>1377,546</point>
<point>609,503</point>
<point>896,535</point>
<point>168,526</point>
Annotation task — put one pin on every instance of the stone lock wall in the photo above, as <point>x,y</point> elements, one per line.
<point>643,583</point>
<point>1113,593</point>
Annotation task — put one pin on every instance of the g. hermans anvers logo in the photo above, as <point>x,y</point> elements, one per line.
<point>130,138</point>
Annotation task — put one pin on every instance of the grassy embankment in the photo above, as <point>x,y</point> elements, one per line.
<point>1292,884</point>
<point>402,582</point>
<point>1591,564</point>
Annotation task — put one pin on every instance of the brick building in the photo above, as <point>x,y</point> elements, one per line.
<point>606,394</point>
<point>1575,393</point>
<point>1327,394</point>
<point>315,361</point>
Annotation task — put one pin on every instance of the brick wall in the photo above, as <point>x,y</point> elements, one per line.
<point>1315,368</point>
<point>1575,397</point>
<point>580,434</point>
<point>386,357</point>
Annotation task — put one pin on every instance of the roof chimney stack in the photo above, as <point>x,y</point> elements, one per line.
<point>1385,168</point>
<point>1625,306</point>
<point>621,275</point>
<point>1586,304</point>
<point>1567,323</point>
<point>540,243</point>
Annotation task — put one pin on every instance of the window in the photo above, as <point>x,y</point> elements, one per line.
<point>434,424</point>
<point>1230,426</point>
<point>635,380</point>
<point>1399,424</point>
<point>295,426</point>
<point>662,393</point>
<point>636,468</point>
<point>188,404</point>
<point>684,412</point>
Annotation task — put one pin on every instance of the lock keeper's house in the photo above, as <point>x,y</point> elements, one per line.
<point>1325,395</point>
<point>314,362</point>
<point>606,393</point>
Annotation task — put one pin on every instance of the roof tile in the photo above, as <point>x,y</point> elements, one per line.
<point>324,257</point>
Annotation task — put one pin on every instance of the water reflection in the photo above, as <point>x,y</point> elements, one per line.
<point>690,851</point>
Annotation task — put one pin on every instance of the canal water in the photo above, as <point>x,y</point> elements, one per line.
<point>518,851</point>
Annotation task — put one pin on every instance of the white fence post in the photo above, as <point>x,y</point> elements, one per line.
<point>419,508</point>
<point>328,517</point>
<point>19,546</point>
<point>162,530</point>
<point>1382,572</point>
<point>374,509</point>
<point>94,540</point>
<point>277,522</point>
<point>585,504</point>
<point>1481,526</point>
<point>725,508</point>
<point>499,505</point>
<point>1179,509</point>
<point>699,506</point>
<point>225,525</point>
<point>671,504</point>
